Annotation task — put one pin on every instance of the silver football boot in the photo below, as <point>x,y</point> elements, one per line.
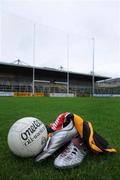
<point>58,139</point>
<point>72,156</point>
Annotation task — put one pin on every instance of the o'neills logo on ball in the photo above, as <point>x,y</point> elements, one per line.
<point>31,133</point>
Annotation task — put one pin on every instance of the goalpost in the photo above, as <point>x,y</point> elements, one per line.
<point>67,60</point>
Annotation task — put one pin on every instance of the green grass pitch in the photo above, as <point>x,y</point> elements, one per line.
<point>104,113</point>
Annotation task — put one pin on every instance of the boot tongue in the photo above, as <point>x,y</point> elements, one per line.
<point>77,142</point>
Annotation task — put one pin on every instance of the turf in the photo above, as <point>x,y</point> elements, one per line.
<point>104,113</point>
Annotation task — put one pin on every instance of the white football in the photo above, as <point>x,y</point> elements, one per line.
<point>27,137</point>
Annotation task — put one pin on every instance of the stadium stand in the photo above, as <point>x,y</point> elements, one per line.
<point>18,78</point>
<point>108,86</point>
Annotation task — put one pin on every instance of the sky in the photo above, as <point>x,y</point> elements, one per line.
<point>60,33</point>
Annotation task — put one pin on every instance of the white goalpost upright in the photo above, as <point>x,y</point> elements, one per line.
<point>68,39</point>
<point>34,41</point>
<point>93,66</point>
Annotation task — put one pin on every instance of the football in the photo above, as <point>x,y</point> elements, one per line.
<point>27,137</point>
